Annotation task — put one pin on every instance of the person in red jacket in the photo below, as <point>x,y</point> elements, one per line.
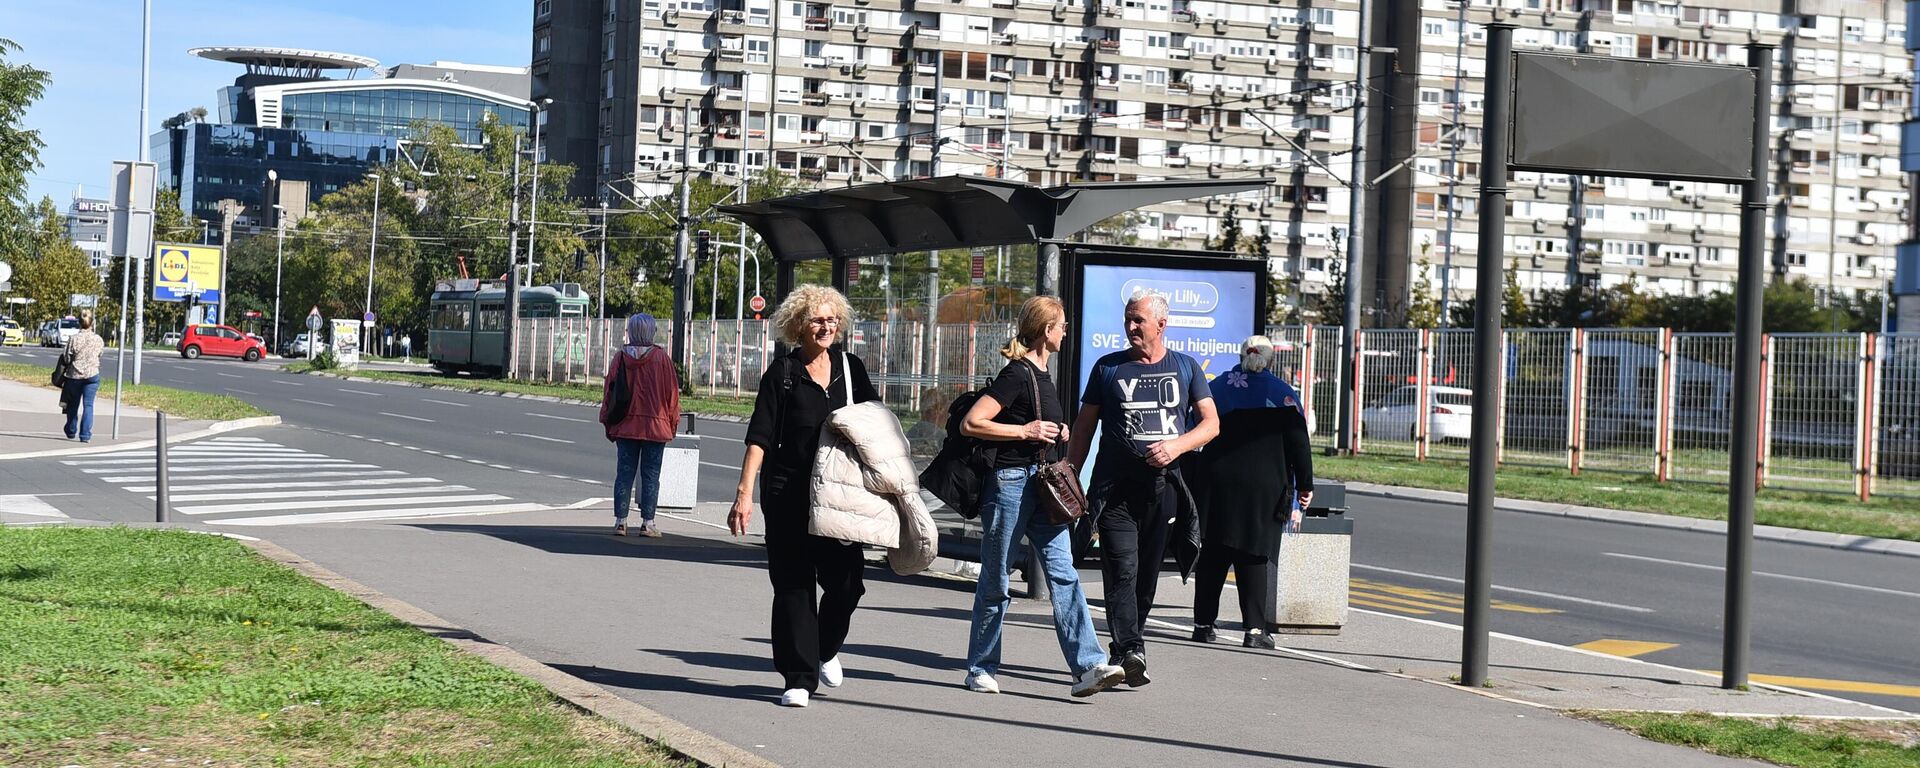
<point>642,434</point>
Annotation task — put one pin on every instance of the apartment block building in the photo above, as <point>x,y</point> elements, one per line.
<point>848,91</point>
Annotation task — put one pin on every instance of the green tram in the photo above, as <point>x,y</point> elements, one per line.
<point>467,330</point>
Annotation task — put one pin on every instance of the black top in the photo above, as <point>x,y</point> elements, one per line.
<point>791,406</point>
<point>1245,480</point>
<point>1013,390</point>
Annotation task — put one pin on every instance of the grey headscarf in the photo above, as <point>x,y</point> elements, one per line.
<point>640,328</point>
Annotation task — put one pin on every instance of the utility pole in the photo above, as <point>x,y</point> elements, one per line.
<point>229,210</point>
<point>513,268</point>
<point>682,272</point>
<point>139,341</point>
<point>1356,229</point>
<point>533,197</point>
<point>1453,158</point>
<point>603,258</point>
<point>279,259</point>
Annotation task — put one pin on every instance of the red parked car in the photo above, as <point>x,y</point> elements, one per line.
<point>220,340</point>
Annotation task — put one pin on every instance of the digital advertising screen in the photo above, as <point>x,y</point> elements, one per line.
<point>1210,311</point>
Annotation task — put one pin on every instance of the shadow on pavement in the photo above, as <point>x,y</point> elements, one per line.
<point>643,681</point>
<point>584,540</point>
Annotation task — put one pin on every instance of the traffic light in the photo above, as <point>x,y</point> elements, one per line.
<point>702,244</point>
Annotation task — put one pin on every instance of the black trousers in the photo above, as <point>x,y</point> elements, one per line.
<point>1250,576</point>
<point>809,626</point>
<point>1134,522</point>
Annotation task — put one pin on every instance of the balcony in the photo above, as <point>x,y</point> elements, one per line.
<point>1176,161</point>
<point>1109,46</point>
<point>1321,63</point>
<point>814,99</point>
<point>1184,16</point>
<point>818,24</point>
<point>1179,52</point>
<point>813,174</point>
<point>1107,84</point>
<point>812,137</point>
<point>733,17</point>
<point>1007,38</point>
<point>1176,123</point>
<point>1179,86</point>
<point>815,62</point>
<point>730,54</point>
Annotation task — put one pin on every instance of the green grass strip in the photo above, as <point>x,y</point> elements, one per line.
<point>179,403</point>
<point>192,648</point>
<point>717,406</point>
<point>1789,742</point>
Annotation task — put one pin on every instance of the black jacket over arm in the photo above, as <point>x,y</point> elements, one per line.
<point>1245,479</point>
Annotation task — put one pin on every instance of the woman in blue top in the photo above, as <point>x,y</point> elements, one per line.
<point>1247,483</point>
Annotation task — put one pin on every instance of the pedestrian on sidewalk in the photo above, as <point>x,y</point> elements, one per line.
<point>81,362</point>
<point>640,406</point>
<point>1251,484</point>
<point>406,347</point>
<point>783,437</point>
<point>1020,415</point>
<point>1152,406</point>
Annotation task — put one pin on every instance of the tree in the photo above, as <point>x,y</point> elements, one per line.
<point>54,270</point>
<point>20,86</point>
<point>1423,308</point>
<point>1118,229</point>
<point>1229,239</point>
<point>1331,307</point>
<point>1513,308</point>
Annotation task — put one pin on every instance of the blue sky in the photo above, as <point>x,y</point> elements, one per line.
<point>92,47</point>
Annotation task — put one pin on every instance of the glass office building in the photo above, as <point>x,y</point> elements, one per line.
<point>392,111</point>
<point>210,162</point>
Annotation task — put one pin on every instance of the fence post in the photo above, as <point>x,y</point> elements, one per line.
<point>973,348</point>
<point>919,364</point>
<point>1663,411</point>
<point>1306,375</point>
<point>1766,412</point>
<point>1863,417</point>
<point>1423,392</point>
<point>1359,359</point>
<point>1500,393</point>
<point>1576,395</point>
<point>162,511</point>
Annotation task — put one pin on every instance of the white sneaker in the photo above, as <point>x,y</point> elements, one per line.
<point>794,697</point>
<point>830,674</point>
<point>980,682</point>
<point>1097,678</point>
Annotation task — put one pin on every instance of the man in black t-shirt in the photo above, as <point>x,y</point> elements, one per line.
<point>1152,406</point>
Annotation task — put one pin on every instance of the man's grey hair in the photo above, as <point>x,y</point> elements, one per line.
<point>1154,304</point>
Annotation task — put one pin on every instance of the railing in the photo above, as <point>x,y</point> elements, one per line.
<point>1840,412</point>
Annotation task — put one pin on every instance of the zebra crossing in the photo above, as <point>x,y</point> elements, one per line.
<point>249,481</point>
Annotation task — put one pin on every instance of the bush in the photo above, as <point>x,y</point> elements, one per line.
<point>686,379</point>
<point>325,361</point>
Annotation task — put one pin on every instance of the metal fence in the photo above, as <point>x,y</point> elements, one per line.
<point>1841,412</point>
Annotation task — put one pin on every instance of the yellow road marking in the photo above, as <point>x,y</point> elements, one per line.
<point>1626,648</point>
<point>1432,596</point>
<point>1376,596</point>
<point>1384,606</point>
<point>1822,684</point>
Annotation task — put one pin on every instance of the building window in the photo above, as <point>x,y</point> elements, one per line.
<point>542,43</point>
<point>543,9</point>
<point>1796,259</point>
<point>607,45</point>
<point>757,50</point>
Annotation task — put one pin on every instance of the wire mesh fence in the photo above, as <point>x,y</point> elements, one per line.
<point>1841,412</point>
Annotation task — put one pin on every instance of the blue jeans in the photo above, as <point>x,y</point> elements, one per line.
<point>645,457</point>
<point>1008,508</point>
<point>80,419</point>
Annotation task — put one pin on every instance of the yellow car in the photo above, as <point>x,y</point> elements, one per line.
<point>11,334</point>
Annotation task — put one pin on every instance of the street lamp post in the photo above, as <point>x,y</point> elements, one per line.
<point>533,202</point>
<point>373,243</point>
<point>279,260</point>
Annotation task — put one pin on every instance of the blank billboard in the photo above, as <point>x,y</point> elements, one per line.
<point>1629,117</point>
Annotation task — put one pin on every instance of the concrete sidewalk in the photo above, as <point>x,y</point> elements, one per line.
<point>31,424</point>
<point>679,625</point>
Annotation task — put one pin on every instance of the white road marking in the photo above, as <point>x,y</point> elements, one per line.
<point>236,440</point>
<point>404,416</point>
<point>214,460</point>
<point>148,478</point>
<point>214,509</point>
<point>718,464</point>
<point>306,484</point>
<point>499,466</point>
<point>228,375</point>
<point>559,418</point>
<point>1809,580</point>
<point>310,402</point>
<point>293,384</point>
<point>298,494</point>
<point>30,505</point>
<point>239,391</point>
<point>536,437</point>
<point>177,451</point>
<point>248,466</point>
<point>444,402</point>
<point>1515,590</point>
<point>361,392</point>
<point>376,514</point>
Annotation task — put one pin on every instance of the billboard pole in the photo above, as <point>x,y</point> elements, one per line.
<point>1356,231</point>
<point>145,222</point>
<point>1743,454</point>
<point>1486,353</point>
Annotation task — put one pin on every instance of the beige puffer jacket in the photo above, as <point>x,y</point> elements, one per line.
<point>865,488</point>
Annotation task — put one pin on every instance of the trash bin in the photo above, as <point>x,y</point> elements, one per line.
<point>1310,575</point>
<point>680,468</point>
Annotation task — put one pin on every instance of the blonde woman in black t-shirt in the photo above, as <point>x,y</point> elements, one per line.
<point>1020,413</point>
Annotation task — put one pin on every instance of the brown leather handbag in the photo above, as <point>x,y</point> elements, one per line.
<point>1060,492</point>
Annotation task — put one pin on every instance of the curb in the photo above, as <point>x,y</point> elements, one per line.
<point>215,428</point>
<point>683,740</point>
<point>513,395</point>
<point>1822,539</point>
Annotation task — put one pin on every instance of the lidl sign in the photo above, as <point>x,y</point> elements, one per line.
<point>180,272</point>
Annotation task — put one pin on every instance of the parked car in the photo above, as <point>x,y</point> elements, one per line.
<point>297,346</point>
<point>55,333</point>
<point>220,340</point>
<point>1449,414</point>
<point>171,339</point>
<point>11,334</point>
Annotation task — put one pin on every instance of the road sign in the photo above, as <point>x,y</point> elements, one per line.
<point>83,301</point>
<point>757,303</point>
<point>853,271</point>
<point>313,320</point>
<point>979,266</point>
<point>183,271</point>
<point>250,313</point>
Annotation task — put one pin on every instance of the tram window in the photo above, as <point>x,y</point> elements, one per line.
<point>536,312</point>
<point>450,317</point>
<point>493,317</point>
<point>572,310</point>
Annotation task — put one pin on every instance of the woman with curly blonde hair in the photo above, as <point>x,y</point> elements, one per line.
<point>797,391</point>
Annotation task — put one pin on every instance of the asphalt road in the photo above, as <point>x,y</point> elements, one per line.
<point>1845,621</point>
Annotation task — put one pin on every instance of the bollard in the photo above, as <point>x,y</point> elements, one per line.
<point>1310,576</point>
<point>160,512</point>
